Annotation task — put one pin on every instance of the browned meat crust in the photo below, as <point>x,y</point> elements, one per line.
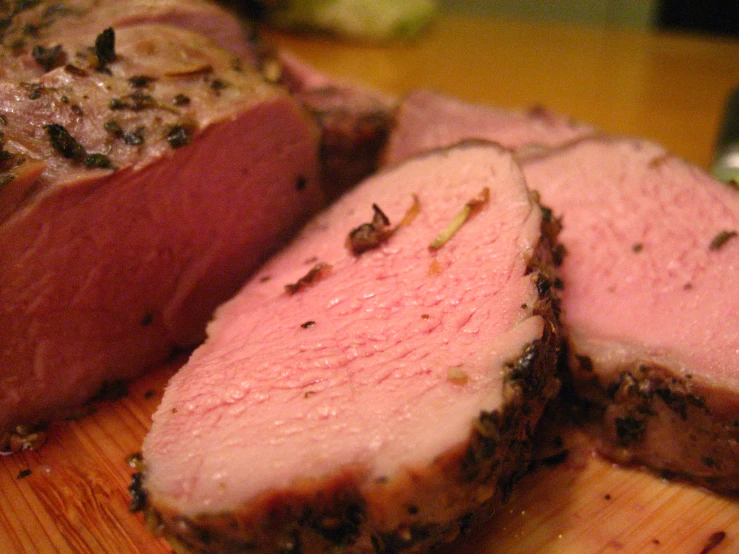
<point>644,413</point>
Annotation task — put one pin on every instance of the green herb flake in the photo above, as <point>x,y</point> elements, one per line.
<point>49,58</point>
<point>34,90</point>
<point>630,430</point>
<point>116,104</point>
<point>137,493</point>
<point>64,143</point>
<point>217,85</point>
<point>5,156</point>
<point>97,161</point>
<point>105,47</point>
<point>67,146</point>
<point>113,128</point>
<point>137,102</point>
<point>141,81</point>
<point>30,30</point>
<point>17,46</point>
<point>23,5</point>
<point>179,135</point>
<point>181,100</point>
<point>22,474</point>
<point>721,239</point>
<point>469,209</point>
<point>135,461</point>
<point>135,137</point>
<point>5,179</point>
<point>3,119</point>
<point>141,101</point>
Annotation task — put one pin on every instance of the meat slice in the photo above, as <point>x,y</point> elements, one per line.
<point>425,120</point>
<point>650,302</point>
<point>650,283</point>
<point>375,385</point>
<point>138,193</point>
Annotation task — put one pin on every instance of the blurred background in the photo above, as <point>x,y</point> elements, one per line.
<point>719,17</point>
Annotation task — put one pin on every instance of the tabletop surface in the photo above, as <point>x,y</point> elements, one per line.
<point>71,496</point>
<point>670,88</point>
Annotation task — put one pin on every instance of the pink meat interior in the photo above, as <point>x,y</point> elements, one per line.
<point>427,120</point>
<point>383,363</point>
<point>640,271</point>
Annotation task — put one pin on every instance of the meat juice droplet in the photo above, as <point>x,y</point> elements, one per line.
<point>325,412</point>
<point>377,442</point>
<point>235,394</point>
<point>259,397</point>
<point>236,409</point>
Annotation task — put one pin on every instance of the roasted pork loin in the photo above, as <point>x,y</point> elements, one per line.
<point>650,280</point>
<point>32,30</point>
<point>144,175</point>
<point>374,387</point>
<point>650,303</point>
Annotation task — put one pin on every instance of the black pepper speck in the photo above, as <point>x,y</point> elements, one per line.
<point>179,136</point>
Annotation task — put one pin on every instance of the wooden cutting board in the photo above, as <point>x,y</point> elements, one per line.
<point>71,496</point>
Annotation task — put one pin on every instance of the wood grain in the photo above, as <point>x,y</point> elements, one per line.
<point>75,498</point>
<point>666,87</point>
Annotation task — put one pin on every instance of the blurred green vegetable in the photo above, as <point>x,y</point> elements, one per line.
<point>373,20</point>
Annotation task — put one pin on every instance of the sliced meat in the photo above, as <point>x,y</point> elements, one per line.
<point>650,302</point>
<point>374,387</point>
<point>134,200</point>
<point>355,121</point>
<point>427,120</point>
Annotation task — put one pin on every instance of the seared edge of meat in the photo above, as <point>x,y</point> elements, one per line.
<point>643,411</point>
<point>643,401</point>
<point>417,509</point>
